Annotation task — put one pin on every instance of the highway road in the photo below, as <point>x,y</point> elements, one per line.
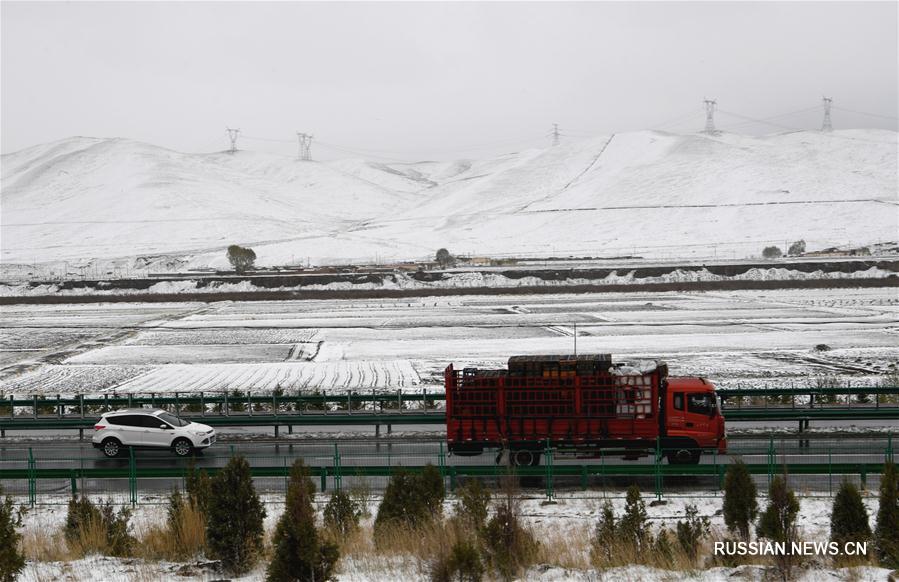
<point>394,452</point>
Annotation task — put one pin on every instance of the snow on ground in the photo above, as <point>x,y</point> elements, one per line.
<point>739,338</point>
<point>650,193</point>
<point>572,513</point>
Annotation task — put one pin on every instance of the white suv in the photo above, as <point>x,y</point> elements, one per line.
<point>146,428</point>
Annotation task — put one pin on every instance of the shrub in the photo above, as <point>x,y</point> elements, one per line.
<point>740,499</point>
<point>185,530</point>
<point>463,564</point>
<point>886,532</point>
<point>473,505</point>
<point>342,513</point>
<point>432,489</point>
<point>241,258</point>
<point>849,519</point>
<point>234,520</point>
<point>411,500</point>
<point>692,531</point>
<point>198,487</point>
<point>11,559</point>
<point>797,248</point>
<point>90,528</point>
<point>772,252</point>
<point>633,526</point>
<point>604,535</point>
<point>299,553</point>
<point>778,522</point>
<point>510,546</point>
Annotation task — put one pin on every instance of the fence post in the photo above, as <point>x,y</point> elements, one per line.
<point>132,476</point>
<point>657,469</point>
<point>74,482</point>
<point>830,470</point>
<point>771,455</point>
<point>441,461</point>
<point>548,453</point>
<point>32,489</point>
<point>336,468</point>
<point>324,478</point>
<point>453,478</point>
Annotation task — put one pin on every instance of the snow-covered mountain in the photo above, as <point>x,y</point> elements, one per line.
<point>655,193</point>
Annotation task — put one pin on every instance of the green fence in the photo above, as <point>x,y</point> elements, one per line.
<point>49,475</point>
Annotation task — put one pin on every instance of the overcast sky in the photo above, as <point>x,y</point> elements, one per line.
<point>418,81</point>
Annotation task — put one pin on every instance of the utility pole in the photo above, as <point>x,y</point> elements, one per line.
<point>710,115</point>
<point>827,126</point>
<point>232,135</point>
<point>305,145</point>
<point>555,134</point>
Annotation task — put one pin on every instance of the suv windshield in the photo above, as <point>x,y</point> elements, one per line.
<point>172,419</point>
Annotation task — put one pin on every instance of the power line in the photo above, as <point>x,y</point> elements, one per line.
<point>868,114</point>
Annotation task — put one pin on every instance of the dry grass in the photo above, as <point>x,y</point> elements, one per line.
<point>183,540</point>
<point>41,545</point>
<point>91,539</point>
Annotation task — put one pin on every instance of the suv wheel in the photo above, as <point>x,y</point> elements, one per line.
<point>182,447</point>
<point>112,447</point>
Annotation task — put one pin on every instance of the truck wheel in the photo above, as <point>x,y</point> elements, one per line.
<point>684,457</point>
<point>525,458</point>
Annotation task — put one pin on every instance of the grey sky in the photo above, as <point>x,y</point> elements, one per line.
<point>434,80</point>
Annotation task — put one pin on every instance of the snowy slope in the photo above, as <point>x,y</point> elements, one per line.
<point>653,193</point>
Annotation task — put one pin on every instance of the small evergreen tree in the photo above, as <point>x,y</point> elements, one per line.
<point>692,531</point>
<point>473,505</point>
<point>849,519</point>
<point>772,252</point>
<point>741,504</point>
<point>633,526</point>
<point>432,489</point>
<point>198,487</point>
<point>83,518</point>
<point>12,561</point>
<point>342,513</point>
<point>778,522</point>
<point>411,500</point>
<point>886,532</point>
<point>299,553</point>
<point>509,544</point>
<point>234,519</point>
<point>241,258</point>
<point>604,535</point>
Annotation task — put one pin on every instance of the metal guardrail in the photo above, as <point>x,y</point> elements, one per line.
<point>389,408</point>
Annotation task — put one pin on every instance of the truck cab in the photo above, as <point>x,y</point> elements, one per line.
<point>693,420</point>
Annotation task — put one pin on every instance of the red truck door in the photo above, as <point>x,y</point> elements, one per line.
<point>699,408</point>
<point>676,411</point>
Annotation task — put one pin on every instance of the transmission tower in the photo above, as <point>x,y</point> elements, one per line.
<point>710,115</point>
<point>232,135</point>
<point>305,145</point>
<point>827,126</point>
<point>555,134</point>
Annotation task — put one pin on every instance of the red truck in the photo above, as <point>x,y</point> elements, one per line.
<point>583,404</point>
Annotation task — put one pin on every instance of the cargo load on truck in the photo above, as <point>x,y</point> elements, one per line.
<point>581,402</point>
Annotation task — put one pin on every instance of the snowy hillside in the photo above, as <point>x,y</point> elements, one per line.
<point>654,193</point>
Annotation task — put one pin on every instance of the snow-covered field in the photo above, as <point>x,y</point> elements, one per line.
<point>115,204</point>
<point>571,513</point>
<point>737,338</point>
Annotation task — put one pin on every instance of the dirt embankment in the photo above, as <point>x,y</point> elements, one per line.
<point>265,295</point>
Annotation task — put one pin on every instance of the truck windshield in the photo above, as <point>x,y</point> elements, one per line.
<point>702,403</point>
